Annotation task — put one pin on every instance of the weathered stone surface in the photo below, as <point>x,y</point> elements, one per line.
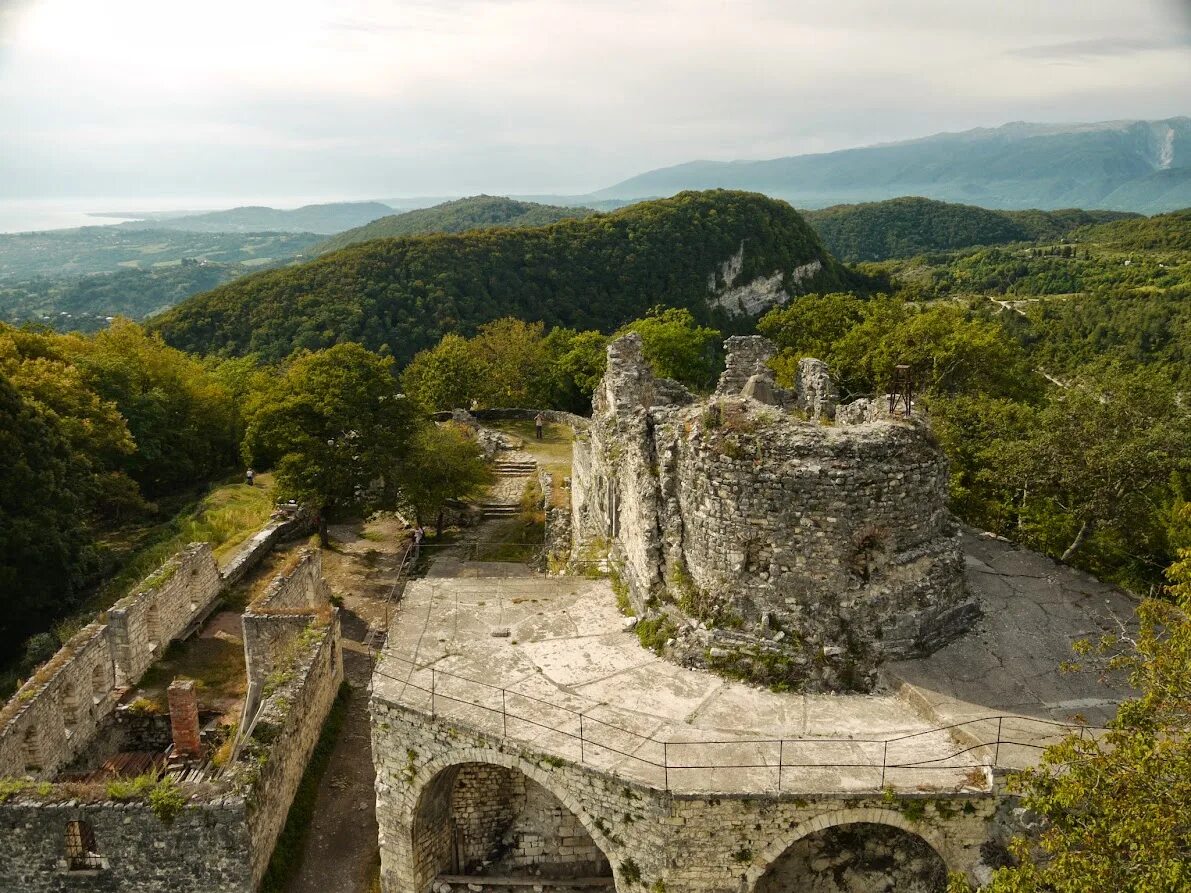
<point>730,511</point>
<point>689,843</point>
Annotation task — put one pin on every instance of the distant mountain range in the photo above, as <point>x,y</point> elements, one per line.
<point>325,219</point>
<point>1119,165</point>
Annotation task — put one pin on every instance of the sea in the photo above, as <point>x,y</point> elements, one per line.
<point>32,215</point>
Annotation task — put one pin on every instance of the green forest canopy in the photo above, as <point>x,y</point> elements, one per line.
<point>903,227</point>
<point>595,273</point>
<point>476,212</point>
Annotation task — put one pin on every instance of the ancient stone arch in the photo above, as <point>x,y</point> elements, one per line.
<point>839,818</point>
<point>429,800</point>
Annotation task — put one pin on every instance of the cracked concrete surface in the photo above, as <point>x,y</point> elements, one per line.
<point>1035,609</point>
<point>569,681</point>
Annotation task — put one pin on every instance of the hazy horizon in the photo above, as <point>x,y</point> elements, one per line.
<point>367,99</point>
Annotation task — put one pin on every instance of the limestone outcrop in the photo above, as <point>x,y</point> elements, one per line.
<point>758,534</point>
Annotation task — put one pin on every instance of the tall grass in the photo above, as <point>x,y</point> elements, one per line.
<point>224,518</point>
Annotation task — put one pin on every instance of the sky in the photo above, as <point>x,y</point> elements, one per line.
<point>289,100</point>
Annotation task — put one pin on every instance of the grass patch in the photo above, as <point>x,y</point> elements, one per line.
<point>225,518</point>
<point>215,664</point>
<point>287,854</point>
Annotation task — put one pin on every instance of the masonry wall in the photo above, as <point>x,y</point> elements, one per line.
<point>286,730</point>
<point>200,851</point>
<point>162,607</point>
<point>772,544</point>
<point>284,524</point>
<point>692,844</point>
<point>508,824</point>
<point>48,723</point>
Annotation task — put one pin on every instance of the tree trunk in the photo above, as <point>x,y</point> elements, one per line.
<point>1084,530</point>
<point>323,539</point>
<point>438,525</point>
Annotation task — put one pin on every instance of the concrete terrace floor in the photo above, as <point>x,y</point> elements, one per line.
<point>547,662</point>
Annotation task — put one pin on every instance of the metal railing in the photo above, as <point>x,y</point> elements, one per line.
<point>871,763</point>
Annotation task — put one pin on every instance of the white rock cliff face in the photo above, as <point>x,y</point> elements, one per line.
<point>763,293</point>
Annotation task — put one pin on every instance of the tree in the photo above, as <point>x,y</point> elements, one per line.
<point>182,420</point>
<point>443,463</point>
<point>676,346</point>
<point>1114,809</point>
<point>44,546</point>
<point>1102,452</point>
<point>336,426</point>
<point>444,377</point>
<point>578,363</point>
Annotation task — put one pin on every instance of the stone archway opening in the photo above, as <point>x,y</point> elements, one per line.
<point>478,820</point>
<point>858,857</point>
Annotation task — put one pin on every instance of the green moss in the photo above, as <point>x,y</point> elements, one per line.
<point>630,872</point>
<point>621,590</point>
<point>914,810</point>
<point>742,855</point>
<point>654,632</point>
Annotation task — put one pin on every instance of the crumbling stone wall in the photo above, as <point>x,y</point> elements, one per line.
<point>165,604</point>
<point>283,737</point>
<point>690,843</point>
<point>49,721</point>
<point>222,839</point>
<point>763,539</point>
<point>276,620</point>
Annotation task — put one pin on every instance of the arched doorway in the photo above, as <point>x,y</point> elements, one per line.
<point>856,856</point>
<point>482,820</point>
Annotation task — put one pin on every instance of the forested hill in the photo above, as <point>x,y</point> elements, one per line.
<point>475,212</point>
<point>595,273</point>
<point>903,227</point>
<point>1162,231</point>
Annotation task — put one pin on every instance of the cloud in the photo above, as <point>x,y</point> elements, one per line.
<point>1100,47</point>
<point>385,97</point>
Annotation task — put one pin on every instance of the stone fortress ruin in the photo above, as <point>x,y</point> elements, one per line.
<point>100,790</point>
<point>767,533</point>
<point>835,681</point>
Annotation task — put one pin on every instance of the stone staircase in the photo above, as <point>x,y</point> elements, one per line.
<point>519,468</point>
<point>500,509</point>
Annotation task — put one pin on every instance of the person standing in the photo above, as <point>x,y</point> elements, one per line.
<point>249,477</point>
<point>538,421</point>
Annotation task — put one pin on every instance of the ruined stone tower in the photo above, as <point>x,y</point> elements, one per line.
<point>761,532</point>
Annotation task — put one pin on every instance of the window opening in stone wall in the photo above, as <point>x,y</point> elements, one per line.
<point>70,707</point>
<point>99,682</point>
<point>153,625</point>
<point>32,750</point>
<point>613,509</point>
<point>81,852</point>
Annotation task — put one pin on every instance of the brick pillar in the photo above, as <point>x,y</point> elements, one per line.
<point>184,721</point>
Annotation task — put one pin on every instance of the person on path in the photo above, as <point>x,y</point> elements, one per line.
<point>249,477</point>
<point>419,535</point>
<point>538,421</point>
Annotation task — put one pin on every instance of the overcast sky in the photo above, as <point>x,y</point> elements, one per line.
<point>378,98</point>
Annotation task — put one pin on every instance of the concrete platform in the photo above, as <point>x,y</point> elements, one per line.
<point>548,663</point>
<point>1035,609</point>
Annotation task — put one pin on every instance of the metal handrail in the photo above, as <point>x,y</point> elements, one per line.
<point>787,756</point>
